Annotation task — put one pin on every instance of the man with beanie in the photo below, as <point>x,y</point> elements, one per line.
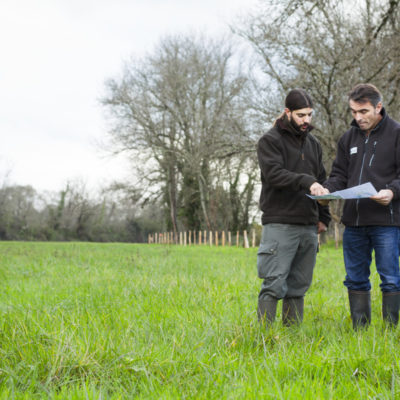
<point>290,160</point>
<point>370,152</point>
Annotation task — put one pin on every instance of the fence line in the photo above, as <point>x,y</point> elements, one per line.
<point>202,238</point>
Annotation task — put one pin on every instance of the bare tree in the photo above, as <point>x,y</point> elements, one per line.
<point>327,47</point>
<point>183,110</point>
<point>19,217</point>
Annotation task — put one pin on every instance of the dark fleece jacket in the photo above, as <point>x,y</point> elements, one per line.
<point>290,162</point>
<point>375,159</point>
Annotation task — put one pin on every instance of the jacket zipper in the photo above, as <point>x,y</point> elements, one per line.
<point>373,153</point>
<point>359,179</point>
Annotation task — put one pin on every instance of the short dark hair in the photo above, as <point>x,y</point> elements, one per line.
<point>365,92</point>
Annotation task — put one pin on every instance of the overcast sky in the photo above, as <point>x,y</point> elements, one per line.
<point>55,57</point>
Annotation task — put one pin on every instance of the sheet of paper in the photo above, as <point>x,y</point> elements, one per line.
<point>356,192</point>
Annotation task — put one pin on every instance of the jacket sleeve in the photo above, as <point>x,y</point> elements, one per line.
<point>394,186</point>
<point>324,214</point>
<point>339,174</point>
<point>271,163</point>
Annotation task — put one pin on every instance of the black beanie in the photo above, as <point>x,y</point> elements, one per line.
<point>297,99</point>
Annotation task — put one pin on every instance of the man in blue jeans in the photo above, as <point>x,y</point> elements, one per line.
<point>370,152</point>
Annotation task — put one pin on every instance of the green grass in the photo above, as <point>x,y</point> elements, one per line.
<point>121,321</point>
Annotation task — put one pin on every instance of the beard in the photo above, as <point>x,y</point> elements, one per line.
<point>299,128</point>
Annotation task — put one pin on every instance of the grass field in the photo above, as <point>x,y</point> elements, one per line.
<point>121,321</point>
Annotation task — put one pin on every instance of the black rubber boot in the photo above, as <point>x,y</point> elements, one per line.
<point>360,308</point>
<point>390,307</point>
<point>266,310</point>
<point>292,310</point>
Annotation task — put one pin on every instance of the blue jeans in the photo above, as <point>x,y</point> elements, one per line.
<point>358,243</point>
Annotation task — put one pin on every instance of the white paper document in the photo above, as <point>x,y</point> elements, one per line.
<point>356,192</point>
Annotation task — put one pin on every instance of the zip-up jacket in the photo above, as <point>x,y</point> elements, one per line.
<point>374,158</point>
<point>290,162</point>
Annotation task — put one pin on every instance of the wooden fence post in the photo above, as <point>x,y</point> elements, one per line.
<point>245,240</point>
<point>237,238</point>
<point>211,237</point>
<point>336,235</point>
<point>216,238</point>
<point>205,237</point>
<point>229,238</point>
<point>223,238</point>
<point>184,238</point>
<point>180,238</point>
<point>190,238</point>
<point>199,237</point>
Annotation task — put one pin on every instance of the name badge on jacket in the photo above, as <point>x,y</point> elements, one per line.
<point>353,150</point>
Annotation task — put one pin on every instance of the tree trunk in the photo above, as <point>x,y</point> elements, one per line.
<point>172,199</point>
<point>203,203</point>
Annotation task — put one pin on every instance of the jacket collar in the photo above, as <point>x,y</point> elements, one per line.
<point>284,125</point>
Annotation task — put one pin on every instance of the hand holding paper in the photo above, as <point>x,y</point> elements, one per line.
<point>384,197</point>
<point>317,189</point>
<point>366,190</point>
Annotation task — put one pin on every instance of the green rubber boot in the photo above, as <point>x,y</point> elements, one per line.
<point>360,308</point>
<point>292,310</point>
<point>266,310</point>
<point>390,307</point>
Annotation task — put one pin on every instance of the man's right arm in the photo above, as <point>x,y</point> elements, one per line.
<point>271,163</point>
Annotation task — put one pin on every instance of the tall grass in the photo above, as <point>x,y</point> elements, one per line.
<point>120,321</point>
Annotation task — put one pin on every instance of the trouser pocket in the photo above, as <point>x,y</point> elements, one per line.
<point>267,258</point>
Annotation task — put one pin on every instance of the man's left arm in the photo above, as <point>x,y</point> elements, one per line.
<point>392,191</point>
